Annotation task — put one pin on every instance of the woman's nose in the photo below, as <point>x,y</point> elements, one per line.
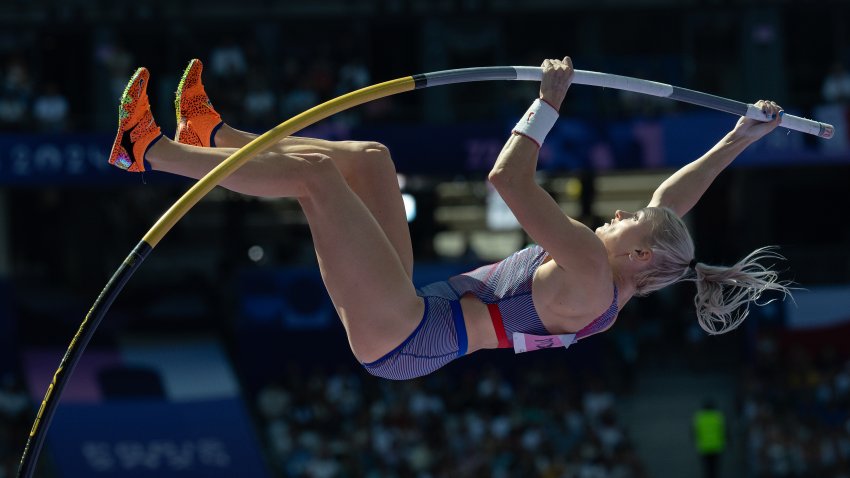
<point>620,214</point>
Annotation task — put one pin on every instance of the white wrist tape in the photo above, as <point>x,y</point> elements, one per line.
<point>537,121</point>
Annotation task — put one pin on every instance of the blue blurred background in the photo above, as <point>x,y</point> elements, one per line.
<point>224,357</point>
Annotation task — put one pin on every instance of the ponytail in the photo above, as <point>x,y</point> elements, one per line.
<point>724,293</point>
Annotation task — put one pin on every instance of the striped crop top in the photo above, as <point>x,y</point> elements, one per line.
<point>505,287</point>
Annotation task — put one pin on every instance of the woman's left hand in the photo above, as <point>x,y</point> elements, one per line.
<point>755,129</point>
<point>557,78</point>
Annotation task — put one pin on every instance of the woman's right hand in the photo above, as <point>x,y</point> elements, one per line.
<point>557,78</point>
<point>753,130</point>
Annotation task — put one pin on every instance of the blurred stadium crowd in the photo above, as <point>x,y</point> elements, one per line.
<point>794,409</point>
<point>336,424</point>
<point>265,68</point>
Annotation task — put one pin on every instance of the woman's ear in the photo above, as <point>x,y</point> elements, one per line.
<point>642,254</point>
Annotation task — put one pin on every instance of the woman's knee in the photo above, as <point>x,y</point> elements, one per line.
<point>366,159</point>
<point>373,148</point>
<point>313,170</point>
<point>375,152</point>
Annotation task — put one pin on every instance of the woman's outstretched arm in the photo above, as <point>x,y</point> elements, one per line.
<point>569,242</point>
<point>681,191</point>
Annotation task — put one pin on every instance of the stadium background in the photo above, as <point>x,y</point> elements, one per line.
<point>223,356</point>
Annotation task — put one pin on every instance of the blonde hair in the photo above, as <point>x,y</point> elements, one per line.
<point>721,291</point>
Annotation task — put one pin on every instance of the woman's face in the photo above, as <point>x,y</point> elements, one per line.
<point>625,233</point>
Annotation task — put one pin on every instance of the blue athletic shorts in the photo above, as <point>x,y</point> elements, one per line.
<point>438,339</point>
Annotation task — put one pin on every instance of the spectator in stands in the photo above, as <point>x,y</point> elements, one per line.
<point>50,109</point>
<point>227,60</point>
<point>273,401</point>
<point>13,400</point>
<point>301,97</point>
<point>352,76</point>
<point>15,96</point>
<point>709,434</point>
<point>14,405</point>
<point>13,111</point>
<point>260,102</point>
<point>228,67</point>
<point>118,63</point>
<point>597,400</point>
<point>836,85</point>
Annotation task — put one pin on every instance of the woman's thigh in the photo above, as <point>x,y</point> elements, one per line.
<point>365,278</point>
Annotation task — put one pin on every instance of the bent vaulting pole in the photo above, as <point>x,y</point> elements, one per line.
<point>617,82</point>
<point>90,323</point>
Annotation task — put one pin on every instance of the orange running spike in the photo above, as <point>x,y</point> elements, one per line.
<point>137,130</point>
<point>197,120</point>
